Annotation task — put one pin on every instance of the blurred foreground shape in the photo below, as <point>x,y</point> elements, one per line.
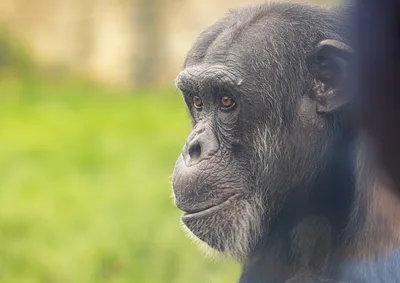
<point>377,42</point>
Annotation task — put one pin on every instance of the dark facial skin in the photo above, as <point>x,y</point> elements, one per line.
<point>213,179</point>
<point>267,175</point>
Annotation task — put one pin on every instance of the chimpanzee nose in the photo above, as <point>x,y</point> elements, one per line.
<point>200,146</point>
<point>194,150</point>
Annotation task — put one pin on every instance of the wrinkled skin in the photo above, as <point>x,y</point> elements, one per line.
<point>267,174</point>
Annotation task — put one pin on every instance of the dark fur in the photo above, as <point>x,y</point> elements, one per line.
<point>292,194</point>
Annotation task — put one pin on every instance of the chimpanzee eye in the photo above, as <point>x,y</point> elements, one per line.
<point>197,102</point>
<point>227,102</point>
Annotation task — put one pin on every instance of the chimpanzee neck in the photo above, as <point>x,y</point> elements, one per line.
<point>330,195</point>
<point>309,226</point>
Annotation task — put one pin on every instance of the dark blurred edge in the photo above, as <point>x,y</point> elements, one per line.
<point>377,43</point>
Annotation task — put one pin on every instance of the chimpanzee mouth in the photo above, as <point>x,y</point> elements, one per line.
<point>209,210</point>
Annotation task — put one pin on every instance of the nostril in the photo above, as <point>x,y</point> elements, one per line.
<point>194,150</point>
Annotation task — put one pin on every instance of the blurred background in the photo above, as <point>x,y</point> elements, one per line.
<point>90,127</point>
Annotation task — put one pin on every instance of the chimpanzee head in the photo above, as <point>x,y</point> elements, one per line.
<point>263,88</point>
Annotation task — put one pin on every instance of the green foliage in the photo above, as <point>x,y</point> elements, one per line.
<point>85,192</point>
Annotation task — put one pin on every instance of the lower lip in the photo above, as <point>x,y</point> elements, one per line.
<point>210,210</point>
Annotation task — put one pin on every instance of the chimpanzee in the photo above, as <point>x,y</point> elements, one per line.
<point>273,173</point>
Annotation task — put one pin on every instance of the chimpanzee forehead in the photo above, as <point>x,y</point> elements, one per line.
<point>249,56</point>
<point>243,73</point>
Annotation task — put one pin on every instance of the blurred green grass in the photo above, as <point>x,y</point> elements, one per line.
<point>85,192</point>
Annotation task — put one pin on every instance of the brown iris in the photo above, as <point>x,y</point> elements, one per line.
<point>197,102</point>
<point>227,101</point>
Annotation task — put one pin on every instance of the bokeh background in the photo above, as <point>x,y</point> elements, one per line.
<point>90,127</point>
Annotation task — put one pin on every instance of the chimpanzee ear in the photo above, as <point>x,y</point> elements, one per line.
<point>330,67</point>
